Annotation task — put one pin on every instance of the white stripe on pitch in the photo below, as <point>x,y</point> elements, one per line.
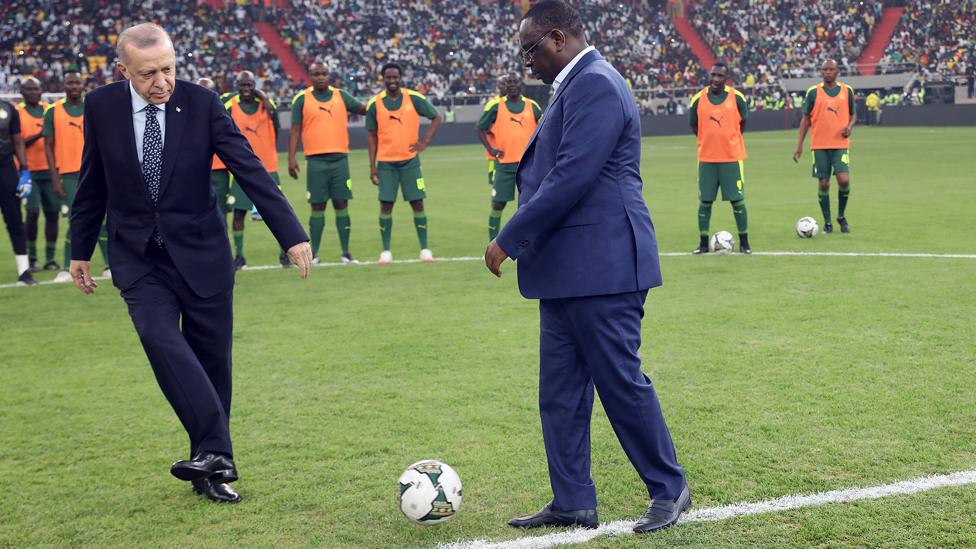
<point>663,254</point>
<point>785,503</point>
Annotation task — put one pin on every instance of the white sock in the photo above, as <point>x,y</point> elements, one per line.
<point>22,264</point>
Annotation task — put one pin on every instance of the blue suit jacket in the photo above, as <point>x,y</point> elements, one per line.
<point>582,227</point>
<point>187,216</point>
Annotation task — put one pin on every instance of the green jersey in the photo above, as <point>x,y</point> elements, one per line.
<point>420,103</point>
<point>298,103</point>
<point>718,99</point>
<point>490,114</point>
<point>832,92</point>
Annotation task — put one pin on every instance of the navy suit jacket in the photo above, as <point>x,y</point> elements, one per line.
<point>187,216</point>
<point>582,227</point>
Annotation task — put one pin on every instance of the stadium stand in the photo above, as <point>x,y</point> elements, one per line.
<point>453,51</point>
<point>44,37</point>
<point>937,35</point>
<point>769,39</point>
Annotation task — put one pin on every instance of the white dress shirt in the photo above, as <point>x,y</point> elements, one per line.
<point>568,68</point>
<point>139,119</point>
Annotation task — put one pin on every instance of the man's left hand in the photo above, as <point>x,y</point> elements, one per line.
<point>82,277</point>
<point>418,147</point>
<point>494,256</point>
<point>301,256</point>
<point>846,132</point>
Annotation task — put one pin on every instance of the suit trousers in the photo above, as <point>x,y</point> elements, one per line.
<point>588,342</point>
<point>188,342</point>
<point>10,207</point>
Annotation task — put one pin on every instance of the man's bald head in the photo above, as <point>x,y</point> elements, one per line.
<point>246,86</point>
<point>141,36</point>
<point>829,71</point>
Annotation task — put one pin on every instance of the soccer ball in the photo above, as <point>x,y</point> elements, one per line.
<point>721,243</point>
<point>807,227</point>
<point>429,492</point>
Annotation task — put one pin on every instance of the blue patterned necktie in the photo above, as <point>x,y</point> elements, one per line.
<point>152,160</point>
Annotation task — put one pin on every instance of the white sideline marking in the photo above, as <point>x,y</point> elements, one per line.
<point>785,503</point>
<point>663,254</point>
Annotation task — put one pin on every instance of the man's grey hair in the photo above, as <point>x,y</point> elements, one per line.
<point>30,79</point>
<point>141,36</point>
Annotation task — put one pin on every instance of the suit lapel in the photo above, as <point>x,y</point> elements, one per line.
<point>176,113</point>
<point>586,60</point>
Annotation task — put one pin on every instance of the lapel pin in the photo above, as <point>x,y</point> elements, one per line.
<point>178,109</point>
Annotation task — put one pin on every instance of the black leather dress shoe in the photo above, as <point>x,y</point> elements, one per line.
<point>553,517</point>
<point>216,491</point>
<point>216,467</point>
<point>662,514</point>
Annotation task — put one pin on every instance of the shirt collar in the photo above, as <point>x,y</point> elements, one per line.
<point>568,68</point>
<point>138,103</point>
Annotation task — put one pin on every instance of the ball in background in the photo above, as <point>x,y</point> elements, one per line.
<point>721,242</point>
<point>807,227</point>
<point>429,492</point>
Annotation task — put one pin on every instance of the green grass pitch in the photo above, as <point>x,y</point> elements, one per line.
<point>777,375</point>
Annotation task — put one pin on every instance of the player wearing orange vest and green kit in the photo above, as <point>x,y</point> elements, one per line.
<point>718,118</point>
<point>393,122</point>
<point>320,120</point>
<point>31,112</point>
<point>489,137</point>
<point>64,138</point>
<point>829,114</point>
<point>505,127</point>
<point>255,116</point>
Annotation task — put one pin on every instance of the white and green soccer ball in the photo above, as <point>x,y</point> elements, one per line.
<point>807,227</point>
<point>429,492</point>
<point>721,243</point>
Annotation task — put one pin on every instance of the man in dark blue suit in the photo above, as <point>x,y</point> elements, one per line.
<point>584,245</point>
<point>149,144</point>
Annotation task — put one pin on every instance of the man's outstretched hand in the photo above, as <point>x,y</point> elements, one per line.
<point>301,256</point>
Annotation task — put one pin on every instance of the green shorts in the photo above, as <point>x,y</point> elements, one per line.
<point>42,195</point>
<point>827,162</point>
<point>503,187</point>
<point>70,183</point>
<point>239,200</point>
<point>730,176</point>
<point>406,175</point>
<point>327,177</point>
<point>491,172</point>
<point>220,179</point>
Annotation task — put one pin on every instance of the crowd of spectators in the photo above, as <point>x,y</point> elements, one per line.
<point>939,36</point>
<point>770,39</point>
<point>451,50</point>
<point>44,38</point>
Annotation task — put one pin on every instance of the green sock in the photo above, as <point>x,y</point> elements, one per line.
<point>843,193</point>
<point>741,216</point>
<point>825,205</point>
<point>704,217</point>
<point>32,250</point>
<point>420,222</point>
<point>49,250</point>
<point>239,242</point>
<point>343,227</point>
<point>386,229</point>
<point>103,243</point>
<point>316,224</point>
<point>494,224</point>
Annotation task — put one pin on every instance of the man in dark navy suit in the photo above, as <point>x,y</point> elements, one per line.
<point>584,245</point>
<point>149,144</point>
